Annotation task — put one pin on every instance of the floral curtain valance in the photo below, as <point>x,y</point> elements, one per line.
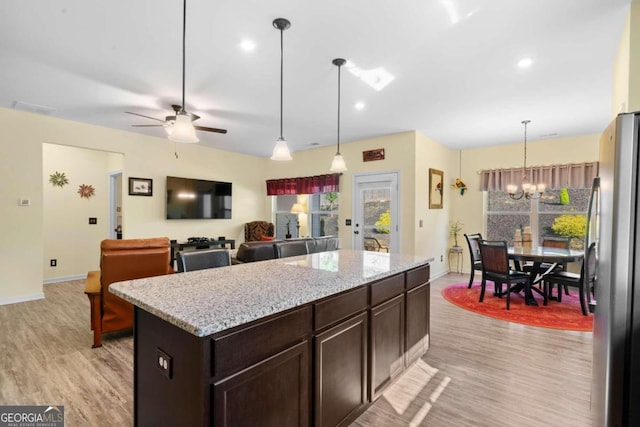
<point>304,185</point>
<point>579,175</point>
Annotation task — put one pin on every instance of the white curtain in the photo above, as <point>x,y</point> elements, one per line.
<point>575,175</point>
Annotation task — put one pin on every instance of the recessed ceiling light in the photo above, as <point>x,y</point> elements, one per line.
<point>359,105</point>
<point>247,45</point>
<point>525,62</point>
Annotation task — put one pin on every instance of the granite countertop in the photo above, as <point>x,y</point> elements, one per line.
<point>204,302</point>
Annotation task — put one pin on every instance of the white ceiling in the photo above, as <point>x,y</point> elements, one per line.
<point>454,63</point>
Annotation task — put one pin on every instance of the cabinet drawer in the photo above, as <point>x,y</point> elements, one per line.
<point>417,276</point>
<point>334,309</point>
<point>386,289</point>
<point>249,345</point>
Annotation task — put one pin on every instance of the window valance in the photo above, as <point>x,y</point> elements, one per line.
<point>575,175</point>
<point>304,185</point>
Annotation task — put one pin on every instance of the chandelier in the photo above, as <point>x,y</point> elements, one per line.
<point>528,190</point>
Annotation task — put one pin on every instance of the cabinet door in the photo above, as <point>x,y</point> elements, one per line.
<point>273,392</point>
<point>341,372</point>
<point>418,300</point>
<point>387,343</point>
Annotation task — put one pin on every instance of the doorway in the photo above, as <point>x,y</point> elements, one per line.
<point>375,205</point>
<point>115,205</point>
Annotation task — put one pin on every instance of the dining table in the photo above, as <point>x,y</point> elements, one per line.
<point>544,260</point>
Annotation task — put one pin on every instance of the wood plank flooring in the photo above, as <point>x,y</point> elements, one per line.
<point>478,372</point>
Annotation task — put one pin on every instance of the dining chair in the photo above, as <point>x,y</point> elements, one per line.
<point>201,259</point>
<point>474,255</point>
<point>495,267</point>
<point>583,281</point>
<point>290,248</point>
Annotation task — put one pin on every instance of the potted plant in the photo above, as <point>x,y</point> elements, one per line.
<point>454,228</point>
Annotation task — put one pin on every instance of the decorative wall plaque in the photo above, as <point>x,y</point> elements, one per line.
<point>371,155</point>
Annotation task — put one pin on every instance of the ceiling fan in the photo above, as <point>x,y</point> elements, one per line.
<point>169,121</point>
<point>180,126</point>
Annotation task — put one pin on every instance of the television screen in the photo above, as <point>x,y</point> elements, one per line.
<point>198,199</point>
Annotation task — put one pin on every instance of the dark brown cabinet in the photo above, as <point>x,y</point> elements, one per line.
<point>319,364</point>
<point>387,343</point>
<point>271,393</point>
<point>341,372</point>
<point>418,300</point>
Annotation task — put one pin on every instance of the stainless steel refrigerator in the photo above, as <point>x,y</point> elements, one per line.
<point>615,390</point>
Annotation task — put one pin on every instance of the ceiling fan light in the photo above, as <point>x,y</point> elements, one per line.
<point>281,151</point>
<point>338,164</point>
<point>183,130</point>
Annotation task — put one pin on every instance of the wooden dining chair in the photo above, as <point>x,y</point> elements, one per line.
<point>583,281</point>
<point>495,267</point>
<point>474,255</point>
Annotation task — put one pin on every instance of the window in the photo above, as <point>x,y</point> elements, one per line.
<point>505,215</point>
<point>319,219</point>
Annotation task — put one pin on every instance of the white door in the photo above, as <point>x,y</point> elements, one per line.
<point>375,216</point>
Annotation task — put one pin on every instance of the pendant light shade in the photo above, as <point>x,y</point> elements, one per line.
<point>281,150</point>
<point>182,130</point>
<point>338,164</point>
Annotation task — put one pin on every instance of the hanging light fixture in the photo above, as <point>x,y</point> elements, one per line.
<point>281,150</point>
<point>338,164</point>
<point>182,130</point>
<point>530,191</point>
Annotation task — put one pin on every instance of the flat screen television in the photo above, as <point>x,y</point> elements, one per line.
<point>198,199</point>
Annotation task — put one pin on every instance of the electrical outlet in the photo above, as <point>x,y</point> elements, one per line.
<point>53,263</point>
<point>441,258</point>
<point>93,221</point>
<point>420,223</point>
<point>164,362</point>
<point>347,222</point>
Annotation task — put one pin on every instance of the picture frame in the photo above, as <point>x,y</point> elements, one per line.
<point>140,187</point>
<point>436,189</point>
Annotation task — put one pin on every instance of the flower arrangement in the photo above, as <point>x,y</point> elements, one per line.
<point>460,185</point>
<point>454,229</point>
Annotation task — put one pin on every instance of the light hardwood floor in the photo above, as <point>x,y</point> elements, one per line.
<point>478,372</point>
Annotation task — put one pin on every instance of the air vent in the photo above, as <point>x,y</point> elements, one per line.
<point>33,108</point>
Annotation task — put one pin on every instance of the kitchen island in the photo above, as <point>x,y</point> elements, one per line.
<point>295,341</point>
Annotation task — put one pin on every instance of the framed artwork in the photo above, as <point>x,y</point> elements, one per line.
<point>140,187</point>
<point>436,185</point>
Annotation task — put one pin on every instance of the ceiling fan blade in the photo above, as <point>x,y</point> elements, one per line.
<point>147,126</point>
<point>210,129</point>
<point>146,117</point>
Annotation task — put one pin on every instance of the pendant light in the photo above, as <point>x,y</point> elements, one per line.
<point>529,191</point>
<point>182,130</point>
<point>338,164</point>
<point>281,150</point>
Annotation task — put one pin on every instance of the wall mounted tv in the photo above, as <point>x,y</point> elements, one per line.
<point>198,199</point>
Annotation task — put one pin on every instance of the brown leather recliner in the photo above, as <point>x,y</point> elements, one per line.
<point>122,260</point>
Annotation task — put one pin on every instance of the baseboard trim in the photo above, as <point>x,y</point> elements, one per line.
<point>21,298</point>
<point>64,279</point>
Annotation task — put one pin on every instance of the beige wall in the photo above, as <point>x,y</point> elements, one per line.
<point>432,239</point>
<point>21,172</point>
<point>68,237</point>
<point>468,209</point>
<point>626,66</point>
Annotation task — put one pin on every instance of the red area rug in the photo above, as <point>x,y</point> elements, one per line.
<point>564,315</point>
